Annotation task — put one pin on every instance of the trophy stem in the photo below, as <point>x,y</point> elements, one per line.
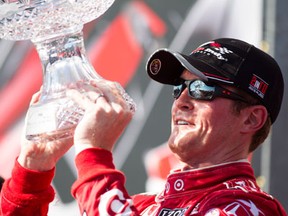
<point>64,65</point>
<point>64,62</point>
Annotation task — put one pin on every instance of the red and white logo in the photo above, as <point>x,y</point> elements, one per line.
<point>215,49</point>
<point>242,207</point>
<point>237,208</point>
<point>258,85</point>
<point>113,202</point>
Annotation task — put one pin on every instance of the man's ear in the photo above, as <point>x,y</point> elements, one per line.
<point>255,117</point>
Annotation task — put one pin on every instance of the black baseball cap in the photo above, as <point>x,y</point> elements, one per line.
<point>227,61</point>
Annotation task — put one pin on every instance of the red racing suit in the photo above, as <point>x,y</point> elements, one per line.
<point>227,189</point>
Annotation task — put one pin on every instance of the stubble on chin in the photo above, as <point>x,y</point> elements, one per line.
<point>171,140</point>
<point>176,140</point>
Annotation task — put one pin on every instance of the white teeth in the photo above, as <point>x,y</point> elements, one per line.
<point>182,123</point>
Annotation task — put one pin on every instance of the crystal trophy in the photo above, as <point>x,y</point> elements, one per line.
<point>55,27</point>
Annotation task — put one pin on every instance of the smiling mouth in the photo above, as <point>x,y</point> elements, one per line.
<point>181,122</point>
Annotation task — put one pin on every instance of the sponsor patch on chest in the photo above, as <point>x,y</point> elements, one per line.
<point>172,212</point>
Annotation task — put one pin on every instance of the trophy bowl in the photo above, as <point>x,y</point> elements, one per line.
<point>55,27</point>
<point>38,20</point>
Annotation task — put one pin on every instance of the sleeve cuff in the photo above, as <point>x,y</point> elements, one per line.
<point>29,181</point>
<point>93,158</point>
<point>94,163</point>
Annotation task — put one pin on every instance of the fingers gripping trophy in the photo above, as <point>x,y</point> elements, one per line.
<point>56,29</point>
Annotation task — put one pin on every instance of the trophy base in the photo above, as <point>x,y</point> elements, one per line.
<point>51,136</point>
<point>52,120</point>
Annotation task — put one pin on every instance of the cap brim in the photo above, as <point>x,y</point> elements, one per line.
<point>166,66</point>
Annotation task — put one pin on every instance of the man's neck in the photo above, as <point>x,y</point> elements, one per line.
<point>186,167</point>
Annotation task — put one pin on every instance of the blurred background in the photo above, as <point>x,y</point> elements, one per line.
<point>118,45</point>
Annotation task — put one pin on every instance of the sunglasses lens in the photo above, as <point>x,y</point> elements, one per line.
<point>199,90</point>
<point>177,90</point>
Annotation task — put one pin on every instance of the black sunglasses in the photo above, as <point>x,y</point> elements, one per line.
<point>200,90</point>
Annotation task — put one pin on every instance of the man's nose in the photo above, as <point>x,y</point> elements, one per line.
<point>184,101</point>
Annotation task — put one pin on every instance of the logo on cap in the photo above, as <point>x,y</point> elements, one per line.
<point>258,86</point>
<point>213,48</point>
<point>155,66</point>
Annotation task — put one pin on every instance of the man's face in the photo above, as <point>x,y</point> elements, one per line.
<point>203,132</point>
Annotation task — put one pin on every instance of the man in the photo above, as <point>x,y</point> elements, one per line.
<point>227,94</point>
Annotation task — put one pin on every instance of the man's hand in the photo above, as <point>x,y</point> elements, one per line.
<point>42,156</point>
<point>105,117</point>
